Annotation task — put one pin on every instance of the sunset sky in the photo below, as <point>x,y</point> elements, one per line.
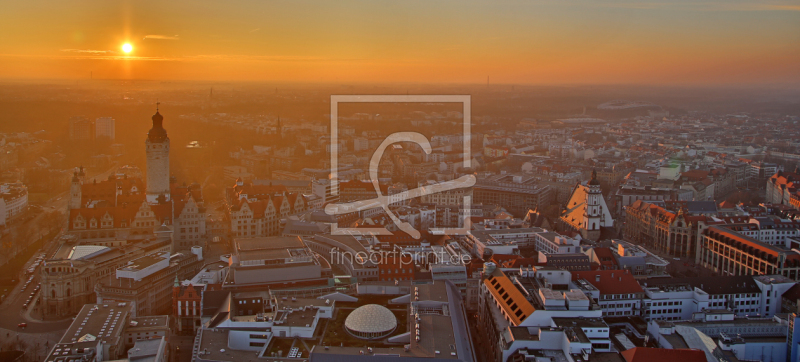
<point>531,41</point>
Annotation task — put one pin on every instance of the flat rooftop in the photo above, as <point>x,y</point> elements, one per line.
<point>432,292</point>
<point>508,231</point>
<point>348,241</point>
<point>436,334</point>
<point>100,320</point>
<point>214,347</point>
<point>159,321</point>
<point>145,348</point>
<point>580,322</point>
<point>271,248</point>
<point>268,243</point>
<point>95,322</point>
<point>145,262</point>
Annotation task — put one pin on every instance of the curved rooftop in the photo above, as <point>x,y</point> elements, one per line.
<point>157,133</point>
<point>371,320</point>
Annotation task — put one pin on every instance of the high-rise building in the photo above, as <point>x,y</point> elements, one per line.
<point>105,128</point>
<point>157,148</point>
<point>80,128</point>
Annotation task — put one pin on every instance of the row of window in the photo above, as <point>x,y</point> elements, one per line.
<point>618,296</point>
<point>619,305</point>
<point>396,271</point>
<point>624,312</point>
<point>664,311</point>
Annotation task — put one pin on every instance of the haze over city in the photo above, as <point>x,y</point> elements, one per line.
<point>473,181</point>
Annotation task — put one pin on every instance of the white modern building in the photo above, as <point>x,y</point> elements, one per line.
<point>554,243</point>
<point>13,201</point>
<point>501,241</point>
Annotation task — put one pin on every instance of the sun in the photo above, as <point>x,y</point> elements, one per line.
<point>127,47</point>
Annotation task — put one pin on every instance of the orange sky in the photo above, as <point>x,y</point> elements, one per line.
<point>530,41</point>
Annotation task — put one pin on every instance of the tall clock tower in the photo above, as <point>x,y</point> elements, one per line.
<point>157,149</point>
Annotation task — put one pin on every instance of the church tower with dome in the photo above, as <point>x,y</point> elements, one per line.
<point>157,149</point>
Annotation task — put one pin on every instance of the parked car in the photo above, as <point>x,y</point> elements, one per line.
<point>22,325</point>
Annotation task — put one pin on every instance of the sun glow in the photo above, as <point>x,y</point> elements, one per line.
<point>127,47</point>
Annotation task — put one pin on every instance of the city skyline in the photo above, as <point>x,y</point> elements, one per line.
<point>472,181</point>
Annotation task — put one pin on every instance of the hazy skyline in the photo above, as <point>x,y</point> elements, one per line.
<point>537,42</point>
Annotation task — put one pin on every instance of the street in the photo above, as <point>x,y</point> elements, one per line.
<point>181,348</point>
<point>12,313</point>
<point>11,309</point>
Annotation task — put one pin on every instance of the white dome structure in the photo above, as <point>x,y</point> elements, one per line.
<point>370,321</point>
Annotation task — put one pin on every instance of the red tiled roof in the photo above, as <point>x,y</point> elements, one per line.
<point>734,219</point>
<point>474,265</point>
<point>788,179</point>
<point>611,281</point>
<point>522,262</point>
<point>500,259</point>
<point>644,354</point>
<point>120,214</point>
<point>695,175</point>
<point>106,190</point>
<point>363,185</point>
<point>605,256</point>
<point>511,300</point>
<point>257,191</point>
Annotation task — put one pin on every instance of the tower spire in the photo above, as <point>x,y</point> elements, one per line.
<point>157,146</point>
<point>594,181</point>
